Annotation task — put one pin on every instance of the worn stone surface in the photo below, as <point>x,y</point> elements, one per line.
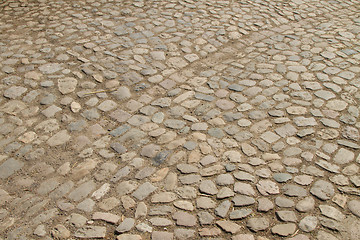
<point>179,119</point>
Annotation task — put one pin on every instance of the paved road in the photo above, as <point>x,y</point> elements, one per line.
<point>185,119</point>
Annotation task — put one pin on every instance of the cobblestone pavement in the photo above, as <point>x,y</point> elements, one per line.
<point>179,119</point>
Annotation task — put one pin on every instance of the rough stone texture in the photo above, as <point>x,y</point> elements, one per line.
<point>91,232</point>
<point>179,119</point>
<point>258,224</point>
<point>9,167</point>
<point>354,207</point>
<point>322,189</point>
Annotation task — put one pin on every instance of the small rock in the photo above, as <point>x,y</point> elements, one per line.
<point>40,231</point>
<point>258,224</point>
<point>344,156</point>
<point>354,207</point>
<point>129,237</point>
<point>308,223</point>
<point>75,107</point>
<point>228,226</point>
<point>60,232</point>
<point>91,232</point>
<point>143,191</point>
<point>322,189</point>
<point>267,187</point>
<point>305,205</point>
<point>59,138</point>
<point>156,235</point>
<point>331,212</point>
<point>67,85</point>
<point>126,225</point>
<point>108,217</point>
<point>208,187</point>
<point>284,229</point>
<point>265,205</point>
<point>184,219</point>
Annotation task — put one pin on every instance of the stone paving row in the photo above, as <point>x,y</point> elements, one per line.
<point>179,120</point>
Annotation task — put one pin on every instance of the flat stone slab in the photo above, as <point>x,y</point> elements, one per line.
<point>9,167</point>
<point>91,232</point>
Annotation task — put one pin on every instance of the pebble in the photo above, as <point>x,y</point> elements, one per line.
<point>266,187</point>
<point>306,205</point>
<point>67,85</point>
<point>208,187</point>
<point>308,223</point>
<point>184,219</point>
<point>344,156</point>
<point>322,189</point>
<point>354,207</point>
<point>126,225</point>
<point>228,226</point>
<point>284,229</point>
<point>144,190</point>
<point>91,232</point>
<point>258,224</point>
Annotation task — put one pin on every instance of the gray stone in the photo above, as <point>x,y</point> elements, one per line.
<point>82,191</point>
<point>205,218</point>
<point>258,224</point>
<point>224,179</point>
<point>228,226</point>
<point>14,92</point>
<point>122,93</point>
<point>59,138</point>
<point>242,200</point>
<point>60,232</point>
<point>305,205</point>
<point>9,167</point>
<point>322,189</point>
<point>91,232</point>
<point>282,177</point>
<point>265,205</point>
<point>160,222</point>
<point>87,205</point>
<point>284,202</point>
<point>331,212</point>
<point>240,214</point>
<point>162,102</point>
<point>344,156</point>
<point>267,187</point>
<point>244,188</point>
<point>123,172</point>
<point>161,157</point>
<point>126,225</point>
<point>208,187</point>
<point>182,233</point>
<point>284,229</point>
<point>107,105</point>
<point>143,191</point>
<point>48,185</point>
<point>50,68</point>
<point>308,223</point>
<point>67,85</point>
<point>174,124</point>
<point>156,235</point>
<point>223,209</point>
<point>184,219</point>
<point>354,207</point>
<point>322,235</point>
<point>150,150</point>
<point>294,190</point>
<point>287,216</point>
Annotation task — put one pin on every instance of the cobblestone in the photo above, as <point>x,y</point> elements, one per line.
<point>179,119</point>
